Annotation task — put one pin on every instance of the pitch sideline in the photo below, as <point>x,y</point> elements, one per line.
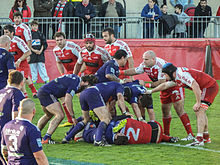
<point>184,146</point>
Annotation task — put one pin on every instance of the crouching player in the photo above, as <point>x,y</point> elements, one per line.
<point>129,131</point>
<point>95,98</point>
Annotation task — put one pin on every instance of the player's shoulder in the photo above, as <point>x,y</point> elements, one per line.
<point>160,62</point>
<point>56,48</point>
<point>121,43</point>
<point>100,50</point>
<point>24,26</point>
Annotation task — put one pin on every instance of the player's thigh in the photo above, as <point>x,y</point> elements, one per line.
<point>47,112</point>
<point>166,108</point>
<point>102,114</point>
<point>179,107</point>
<point>55,109</point>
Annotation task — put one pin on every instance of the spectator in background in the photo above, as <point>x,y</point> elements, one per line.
<point>190,11</point>
<point>152,13</point>
<point>181,2</point>
<point>162,31</point>
<point>180,29</point>
<point>42,8</point>
<point>20,5</point>
<point>161,2</point>
<point>86,11</point>
<point>202,23</point>
<point>113,8</point>
<point>37,59</point>
<point>63,9</point>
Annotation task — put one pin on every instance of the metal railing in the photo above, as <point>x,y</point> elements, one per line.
<point>124,27</point>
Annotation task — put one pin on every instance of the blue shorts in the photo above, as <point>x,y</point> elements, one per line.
<point>45,98</point>
<point>91,99</point>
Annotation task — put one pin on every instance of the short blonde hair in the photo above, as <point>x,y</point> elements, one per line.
<point>27,106</point>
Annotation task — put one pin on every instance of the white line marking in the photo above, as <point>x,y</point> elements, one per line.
<point>184,146</point>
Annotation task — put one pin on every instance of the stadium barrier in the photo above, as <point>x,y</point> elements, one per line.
<point>126,27</point>
<point>181,52</point>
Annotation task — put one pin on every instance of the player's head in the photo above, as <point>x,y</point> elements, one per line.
<point>17,16</point>
<point>5,42</point>
<point>87,81</point>
<point>149,58</point>
<point>27,109</point>
<point>34,25</point>
<point>9,30</point>
<point>120,139</point>
<point>89,41</point>
<point>108,35</point>
<point>169,69</point>
<point>60,39</point>
<point>127,93</point>
<point>121,57</point>
<point>146,101</point>
<point>15,78</point>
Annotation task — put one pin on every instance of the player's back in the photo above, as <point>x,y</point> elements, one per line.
<point>5,58</point>
<point>101,73</point>
<point>8,98</point>
<point>61,85</point>
<point>25,138</point>
<point>109,90</point>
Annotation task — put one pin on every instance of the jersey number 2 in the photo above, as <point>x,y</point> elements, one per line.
<point>132,131</point>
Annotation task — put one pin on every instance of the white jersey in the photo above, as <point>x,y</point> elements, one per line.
<point>24,32</point>
<point>155,72</point>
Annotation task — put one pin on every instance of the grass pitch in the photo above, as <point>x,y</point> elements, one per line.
<point>84,153</point>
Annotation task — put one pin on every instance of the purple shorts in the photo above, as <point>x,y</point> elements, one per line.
<point>45,98</point>
<point>91,99</point>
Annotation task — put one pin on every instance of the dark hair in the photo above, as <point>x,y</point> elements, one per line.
<point>146,100</point>
<point>179,6</point>
<point>163,5</point>
<point>109,30</point>
<point>15,6</point>
<point>121,140</point>
<point>10,28</point>
<point>90,78</point>
<point>169,68</point>
<point>119,54</point>
<point>18,13</point>
<point>59,34</point>
<point>127,93</point>
<point>34,22</point>
<point>15,77</point>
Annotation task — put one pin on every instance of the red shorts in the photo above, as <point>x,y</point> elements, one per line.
<point>172,95</point>
<point>24,69</point>
<point>209,94</point>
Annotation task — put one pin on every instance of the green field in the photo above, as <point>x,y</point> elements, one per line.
<point>84,153</point>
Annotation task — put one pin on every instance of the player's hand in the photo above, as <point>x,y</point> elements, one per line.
<point>38,52</point>
<point>74,121</point>
<point>196,106</point>
<point>128,114</point>
<point>127,80</point>
<point>17,63</point>
<point>148,92</point>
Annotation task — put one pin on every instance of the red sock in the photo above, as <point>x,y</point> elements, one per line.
<point>186,123</point>
<point>166,125</point>
<point>165,138</point>
<point>69,118</point>
<point>33,89</point>
<point>206,136</point>
<point>25,95</point>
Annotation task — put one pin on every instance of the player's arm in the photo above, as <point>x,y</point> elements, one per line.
<point>162,87</point>
<point>196,89</point>
<point>4,152</point>
<point>137,111</point>
<point>121,104</point>
<point>77,68</point>
<point>130,62</point>
<point>60,67</point>
<point>41,158</point>
<point>69,106</point>
<point>156,83</point>
<point>27,52</point>
<point>113,77</point>
<point>129,72</point>
<point>14,114</point>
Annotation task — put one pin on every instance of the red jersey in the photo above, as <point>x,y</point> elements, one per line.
<point>68,55</point>
<point>24,32</point>
<point>118,44</point>
<point>185,77</point>
<point>137,132</point>
<point>94,59</point>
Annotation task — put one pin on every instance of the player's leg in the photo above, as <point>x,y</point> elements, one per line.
<point>103,115</point>
<point>56,110</point>
<point>166,115</point>
<point>44,119</point>
<point>179,107</point>
<point>31,86</point>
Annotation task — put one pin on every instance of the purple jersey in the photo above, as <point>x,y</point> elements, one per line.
<point>22,139</point>
<point>6,63</point>
<point>10,98</point>
<point>110,67</point>
<point>136,89</point>
<point>60,86</point>
<point>96,96</point>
